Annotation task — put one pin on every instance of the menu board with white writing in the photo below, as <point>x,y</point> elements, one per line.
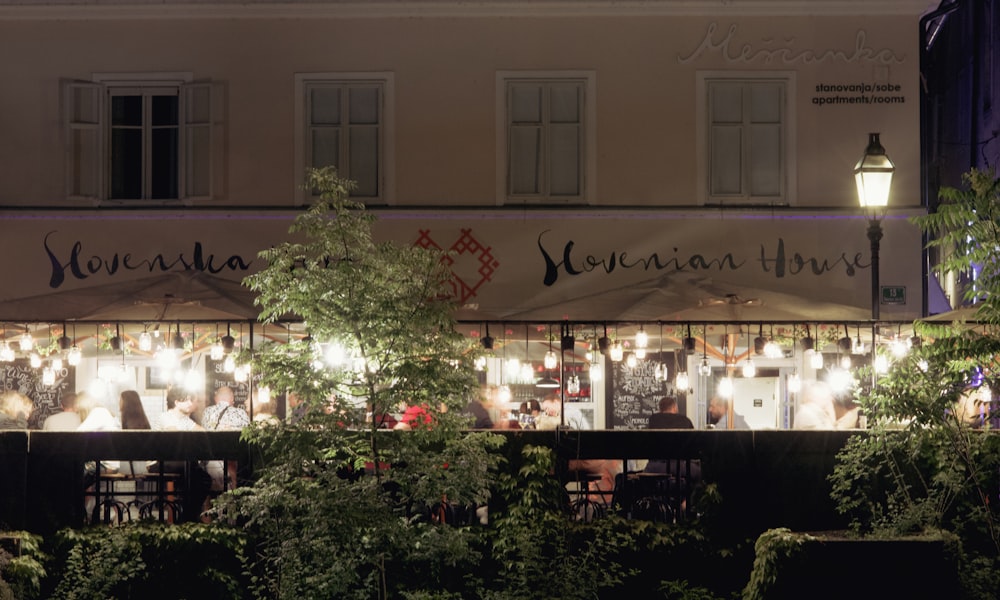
<point>216,377</point>
<point>633,393</point>
<point>20,376</point>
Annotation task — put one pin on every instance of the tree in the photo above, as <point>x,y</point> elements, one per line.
<point>924,464</point>
<point>341,508</point>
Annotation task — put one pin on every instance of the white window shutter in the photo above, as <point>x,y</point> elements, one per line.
<point>201,141</point>
<point>83,110</point>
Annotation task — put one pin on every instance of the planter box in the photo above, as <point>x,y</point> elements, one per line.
<point>832,566</point>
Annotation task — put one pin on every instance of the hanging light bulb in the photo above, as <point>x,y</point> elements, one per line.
<point>573,385</point>
<point>596,372</point>
<point>658,372</point>
<point>881,364</point>
<point>794,383</point>
<point>6,353</point>
<point>840,380</point>
<point>845,361</point>
<point>264,395</point>
<point>527,373</point>
<point>641,338</point>
<point>228,365</point>
<point>56,363</point>
<point>631,361</point>
<point>48,376</point>
<point>513,366</point>
<point>145,341</point>
<point>241,373</point>
<point>617,351</point>
<point>725,388</point>
<point>923,365</point>
<point>749,369</point>
<point>74,355</point>
<point>35,360</point>
<point>503,393</point>
<point>215,351</point>
<point>682,382</point>
<point>705,369</point>
<point>26,342</point>
<point>551,360</point>
<point>640,353</point>
<point>899,347</point>
<point>336,355</point>
<point>480,364</point>
<point>816,360</point>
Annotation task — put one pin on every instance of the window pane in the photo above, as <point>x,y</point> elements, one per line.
<point>126,111</point>
<point>364,161</point>
<point>525,103</point>
<point>324,103</point>
<point>765,103</point>
<point>326,147</point>
<point>126,164</point>
<point>164,110</point>
<point>765,160</point>
<point>364,105</point>
<point>197,163</point>
<point>725,160</point>
<point>565,104</point>
<point>524,160</point>
<point>564,160</point>
<point>163,164</point>
<point>726,101</point>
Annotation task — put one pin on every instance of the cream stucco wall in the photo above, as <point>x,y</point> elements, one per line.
<point>445,100</point>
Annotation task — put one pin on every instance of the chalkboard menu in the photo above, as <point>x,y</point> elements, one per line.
<point>632,394</point>
<point>20,376</point>
<point>216,377</point>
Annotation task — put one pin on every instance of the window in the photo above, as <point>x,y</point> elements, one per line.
<point>545,137</point>
<point>141,138</point>
<point>746,154</point>
<point>343,122</point>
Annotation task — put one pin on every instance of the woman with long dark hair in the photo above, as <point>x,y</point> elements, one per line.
<point>132,413</point>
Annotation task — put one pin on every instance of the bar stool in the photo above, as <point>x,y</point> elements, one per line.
<point>106,502</point>
<point>583,504</point>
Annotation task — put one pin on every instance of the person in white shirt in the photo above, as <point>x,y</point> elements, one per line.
<point>65,420</point>
<point>177,417</point>
<point>222,416</point>
<point>95,416</point>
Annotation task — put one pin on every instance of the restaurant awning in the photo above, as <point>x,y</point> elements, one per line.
<point>167,297</point>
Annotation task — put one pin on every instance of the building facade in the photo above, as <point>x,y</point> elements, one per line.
<point>666,161</point>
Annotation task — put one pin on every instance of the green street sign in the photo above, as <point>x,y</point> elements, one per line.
<point>893,294</point>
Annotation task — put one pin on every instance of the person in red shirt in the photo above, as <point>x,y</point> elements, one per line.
<point>414,416</point>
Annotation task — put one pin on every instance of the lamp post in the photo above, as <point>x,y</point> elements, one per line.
<point>873,174</point>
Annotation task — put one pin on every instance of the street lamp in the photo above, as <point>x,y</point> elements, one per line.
<point>873,174</point>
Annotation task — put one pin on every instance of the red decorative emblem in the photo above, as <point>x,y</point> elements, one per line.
<point>471,263</point>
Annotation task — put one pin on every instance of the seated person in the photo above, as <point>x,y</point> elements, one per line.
<point>816,408</point>
<point>528,412</point>
<point>15,408</point>
<point>669,418</point>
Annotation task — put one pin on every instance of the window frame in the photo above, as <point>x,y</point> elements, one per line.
<point>588,131</point>
<point>703,143</point>
<point>386,130</point>
<point>93,161</point>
